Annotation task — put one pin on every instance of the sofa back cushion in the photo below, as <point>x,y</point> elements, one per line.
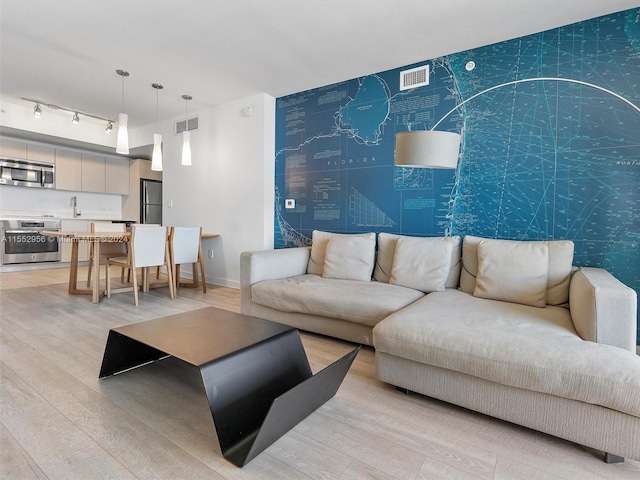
<point>422,263</point>
<point>319,241</point>
<point>559,266</point>
<point>513,272</point>
<point>386,252</point>
<point>350,258</point>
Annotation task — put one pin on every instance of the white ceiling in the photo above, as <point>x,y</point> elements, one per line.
<point>66,52</point>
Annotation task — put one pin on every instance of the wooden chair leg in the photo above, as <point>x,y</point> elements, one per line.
<point>204,282</point>
<point>175,276</point>
<point>145,279</point>
<point>108,279</point>
<point>135,288</point>
<point>90,268</point>
<point>172,286</point>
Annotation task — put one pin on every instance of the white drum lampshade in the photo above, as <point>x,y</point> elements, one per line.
<point>427,149</point>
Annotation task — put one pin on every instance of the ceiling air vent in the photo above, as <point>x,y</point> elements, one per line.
<point>193,125</point>
<point>415,77</point>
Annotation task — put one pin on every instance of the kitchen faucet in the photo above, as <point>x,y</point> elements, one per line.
<point>74,202</point>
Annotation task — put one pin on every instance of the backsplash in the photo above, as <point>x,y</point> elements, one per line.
<point>34,201</point>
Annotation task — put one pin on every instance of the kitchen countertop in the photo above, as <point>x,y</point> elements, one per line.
<point>90,217</point>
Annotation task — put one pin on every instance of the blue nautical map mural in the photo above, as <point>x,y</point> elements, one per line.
<point>550,128</point>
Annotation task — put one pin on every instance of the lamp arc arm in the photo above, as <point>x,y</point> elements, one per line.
<point>523,80</point>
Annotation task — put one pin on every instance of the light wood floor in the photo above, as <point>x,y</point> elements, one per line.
<point>60,422</point>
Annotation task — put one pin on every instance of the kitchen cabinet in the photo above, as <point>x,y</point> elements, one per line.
<point>73,225</point>
<point>41,153</point>
<point>75,170</point>
<point>93,173</point>
<point>13,148</point>
<point>68,170</point>
<point>117,176</point>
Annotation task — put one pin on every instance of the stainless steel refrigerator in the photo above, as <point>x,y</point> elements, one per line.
<point>151,201</point>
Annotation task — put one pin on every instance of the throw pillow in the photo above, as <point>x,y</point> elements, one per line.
<point>469,270</point>
<point>350,258</point>
<point>513,272</point>
<point>387,249</point>
<point>319,241</point>
<point>558,277</point>
<point>422,263</point>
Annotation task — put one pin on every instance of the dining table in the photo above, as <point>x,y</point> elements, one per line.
<point>95,239</point>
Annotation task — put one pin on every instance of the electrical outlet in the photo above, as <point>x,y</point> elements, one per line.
<point>210,253</point>
<point>290,203</point>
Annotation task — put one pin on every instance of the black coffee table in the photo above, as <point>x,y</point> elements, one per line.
<point>255,373</point>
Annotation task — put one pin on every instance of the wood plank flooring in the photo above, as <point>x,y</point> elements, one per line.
<point>60,422</point>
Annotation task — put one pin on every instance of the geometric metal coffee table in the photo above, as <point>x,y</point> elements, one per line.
<point>255,373</point>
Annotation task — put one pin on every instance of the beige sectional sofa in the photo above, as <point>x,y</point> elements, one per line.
<point>509,329</point>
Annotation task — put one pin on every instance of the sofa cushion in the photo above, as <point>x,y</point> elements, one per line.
<point>517,345</point>
<point>361,302</point>
<point>319,241</point>
<point>350,258</point>
<point>422,263</point>
<point>386,251</point>
<point>558,275</point>
<point>513,272</point>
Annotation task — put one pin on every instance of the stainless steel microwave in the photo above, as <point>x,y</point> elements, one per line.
<point>24,173</point>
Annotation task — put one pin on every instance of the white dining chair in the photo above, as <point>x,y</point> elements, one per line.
<point>108,249</point>
<point>149,248</point>
<point>184,248</point>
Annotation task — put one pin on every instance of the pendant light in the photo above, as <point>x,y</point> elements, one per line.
<point>156,157</point>
<point>122,144</point>
<point>186,135</point>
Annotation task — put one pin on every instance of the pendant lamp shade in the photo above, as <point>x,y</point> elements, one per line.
<point>427,149</point>
<point>156,157</point>
<point>186,135</point>
<point>122,145</point>
<point>186,148</point>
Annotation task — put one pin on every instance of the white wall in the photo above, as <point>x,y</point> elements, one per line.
<point>229,188</point>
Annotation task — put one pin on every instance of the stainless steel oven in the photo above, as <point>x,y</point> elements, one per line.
<point>23,243</point>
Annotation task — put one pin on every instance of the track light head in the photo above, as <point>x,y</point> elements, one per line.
<point>109,128</point>
<point>37,110</point>
<point>76,118</point>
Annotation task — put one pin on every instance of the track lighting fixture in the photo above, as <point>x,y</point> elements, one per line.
<point>186,135</point>
<point>122,144</point>
<point>156,157</point>
<point>37,112</point>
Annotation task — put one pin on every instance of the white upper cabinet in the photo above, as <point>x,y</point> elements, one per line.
<point>93,173</point>
<point>13,148</point>
<point>68,170</point>
<point>41,153</point>
<point>117,175</point>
